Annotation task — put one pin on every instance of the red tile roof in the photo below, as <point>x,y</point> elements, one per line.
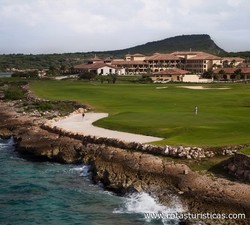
<point>162,57</point>
<point>93,66</point>
<point>138,55</point>
<point>123,62</point>
<point>236,59</point>
<point>198,55</point>
<point>172,71</point>
<point>245,70</point>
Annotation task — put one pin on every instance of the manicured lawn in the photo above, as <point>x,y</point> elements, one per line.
<point>246,151</point>
<point>223,115</point>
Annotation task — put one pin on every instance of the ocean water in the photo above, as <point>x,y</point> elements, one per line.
<point>51,193</point>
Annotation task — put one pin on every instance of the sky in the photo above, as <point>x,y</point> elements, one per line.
<point>63,26</point>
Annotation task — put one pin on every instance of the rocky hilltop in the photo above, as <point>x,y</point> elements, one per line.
<point>193,42</point>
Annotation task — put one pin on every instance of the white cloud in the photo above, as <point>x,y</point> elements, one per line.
<point>85,25</point>
<point>234,3</point>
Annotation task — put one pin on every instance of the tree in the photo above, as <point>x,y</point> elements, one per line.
<point>113,77</point>
<point>87,75</point>
<point>208,74</point>
<point>63,69</point>
<point>222,74</point>
<point>237,74</point>
<point>28,74</point>
<point>53,71</point>
<point>232,63</point>
<point>214,66</point>
<point>226,64</point>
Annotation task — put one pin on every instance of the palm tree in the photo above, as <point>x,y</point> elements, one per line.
<point>208,74</point>
<point>218,76</point>
<point>232,64</point>
<point>237,74</point>
<point>225,64</point>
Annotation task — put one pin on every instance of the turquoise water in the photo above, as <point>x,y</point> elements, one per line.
<point>51,193</point>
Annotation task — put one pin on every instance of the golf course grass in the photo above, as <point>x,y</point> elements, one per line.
<point>246,151</point>
<point>165,110</point>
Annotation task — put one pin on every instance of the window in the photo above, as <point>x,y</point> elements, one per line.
<point>110,71</point>
<point>101,71</point>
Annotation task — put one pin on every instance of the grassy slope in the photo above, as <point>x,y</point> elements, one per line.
<point>223,116</point>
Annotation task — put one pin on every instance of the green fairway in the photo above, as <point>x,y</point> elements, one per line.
<point>246,151</point>
<point>168,111</point>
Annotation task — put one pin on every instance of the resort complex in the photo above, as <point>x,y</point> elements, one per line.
<point>176,66</point>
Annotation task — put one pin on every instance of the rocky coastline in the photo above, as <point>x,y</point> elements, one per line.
<point>122,170</point>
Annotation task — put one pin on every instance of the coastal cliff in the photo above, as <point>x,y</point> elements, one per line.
<point>121,171</point>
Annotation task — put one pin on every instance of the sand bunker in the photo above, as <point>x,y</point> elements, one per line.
<point>203,88</point>
<point>76,123</point>
<point>161,87</point>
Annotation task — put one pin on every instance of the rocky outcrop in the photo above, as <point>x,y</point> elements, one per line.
<point>186,152</point>
<point>239,166</point>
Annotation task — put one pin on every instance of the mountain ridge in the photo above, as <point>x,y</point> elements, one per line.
<point>193,42</point>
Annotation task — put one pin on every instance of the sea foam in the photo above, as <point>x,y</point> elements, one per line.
<point>145,204</point>
<point>83,170</point>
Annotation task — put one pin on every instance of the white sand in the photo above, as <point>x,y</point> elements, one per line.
<point>202,88</point>
<point>83,125</point>
<point>161,87</point>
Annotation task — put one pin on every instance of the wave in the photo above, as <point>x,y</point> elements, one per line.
<point>7,145</point>
<point>7,142</point>
<point>145,204</point>
<point>83,170</point>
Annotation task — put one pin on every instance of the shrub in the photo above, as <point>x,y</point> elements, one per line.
<point>87,75</point>
<point>29,74</point>
<point>44,105</point>
<point>13,93</point>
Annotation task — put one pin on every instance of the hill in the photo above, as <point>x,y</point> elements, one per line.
<point>195,42</point>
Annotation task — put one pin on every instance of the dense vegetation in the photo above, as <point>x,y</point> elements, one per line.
<point>12,89</point>
<point>193,42</point>
<point>164,111</point>
<point>43,61</point>
<point>14,92</point>
<point>63,62</point>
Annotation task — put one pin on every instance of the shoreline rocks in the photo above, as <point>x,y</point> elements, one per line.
<point>239,166</point>
<point>196,153</point>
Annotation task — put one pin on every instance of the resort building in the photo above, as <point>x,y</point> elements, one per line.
<point>198,62</point>
<point>233,73</point>
<point>195,62</point>
<point>163,67</point>
<point>232,62</point>
<point>132,64</point>
<point>98,66</point>
<point>167,75</point>
<point>159,62</point>
<point>135,57</point>
<point>131,67</point>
